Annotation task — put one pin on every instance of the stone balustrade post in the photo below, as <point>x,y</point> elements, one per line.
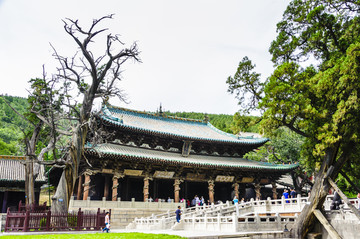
<point>258,221</point>
<point>278,220</point>
<point>133,202</point>
<point>88,201</point>
<point>235,222</point>
<point>103,202</point>
<point>283,203</point>
<point>219,221</point>
<point>298,202</point>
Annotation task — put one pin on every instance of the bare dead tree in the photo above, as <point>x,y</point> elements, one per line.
<point>78,81</point>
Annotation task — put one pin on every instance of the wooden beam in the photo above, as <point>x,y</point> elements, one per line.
<point>342,195</point>
<point>330,229</point>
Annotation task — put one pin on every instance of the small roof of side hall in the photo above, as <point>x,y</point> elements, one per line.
<point>12,169</point>
<point>167,126</point>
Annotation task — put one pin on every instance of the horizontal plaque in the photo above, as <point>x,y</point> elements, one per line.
<point>225,179</point>
<point>163,174</point>
<point>195,176</point>
<point>247,180</point>
<point>132,172</point>
<point>107,170</point>
<point>264,181</point>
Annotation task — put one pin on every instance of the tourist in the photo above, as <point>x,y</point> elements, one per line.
<point>107,222</point>
<point>202,201</point>
<point>169,200</point>
<point>358,199</point>
<point>293,193</point>
<point>178,214</point>
<point>193,202</point>
<point>236,202</point>
<point>286,195</point>
<point>197,200</point>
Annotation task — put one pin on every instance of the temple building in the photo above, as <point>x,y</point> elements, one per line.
<point>158,156</point>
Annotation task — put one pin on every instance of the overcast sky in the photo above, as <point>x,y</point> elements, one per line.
<point>188,48</point>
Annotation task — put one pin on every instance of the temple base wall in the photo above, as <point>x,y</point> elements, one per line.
<point>124,212</point>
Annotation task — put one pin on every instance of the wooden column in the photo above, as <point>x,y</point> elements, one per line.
<point>115,187</point>
<point>274,190</point>
<point>257,190</point>
<point>86,186</point>
<point>146,189</point>
<point>78,195</point>
<point>106,187</point>
<point>211,190</point>
<point>177,183</point>
<point>236,189</point>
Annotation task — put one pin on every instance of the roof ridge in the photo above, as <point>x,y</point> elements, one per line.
<point>154,114</point>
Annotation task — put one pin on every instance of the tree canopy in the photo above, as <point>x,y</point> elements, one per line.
<point>314,89</point>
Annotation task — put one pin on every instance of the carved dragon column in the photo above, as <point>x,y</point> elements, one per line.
<point>115,186</point>
<point>177,188</point>
<point>211,188</point>
<point>86,185</point>
<point>236,189</point>
<point>274,190</point>
<point>146,188</point>
<point>257,191</point>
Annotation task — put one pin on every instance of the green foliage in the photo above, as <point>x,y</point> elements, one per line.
<point>320,103</point>
<point>243,123</point>
<point>11,125</point>
<point>220,121</point>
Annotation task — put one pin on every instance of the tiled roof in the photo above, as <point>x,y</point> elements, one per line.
<point>173,127</point>
<point>12,169</point>
<point>157,156</point>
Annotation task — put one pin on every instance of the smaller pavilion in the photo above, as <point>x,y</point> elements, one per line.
<point>12,181</point>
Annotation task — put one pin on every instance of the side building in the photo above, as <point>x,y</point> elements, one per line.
<point>12,181</point>
<point>159,157</point>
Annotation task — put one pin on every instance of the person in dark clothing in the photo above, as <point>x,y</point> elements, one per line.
<point>293,193</point>
<point>178,214</point>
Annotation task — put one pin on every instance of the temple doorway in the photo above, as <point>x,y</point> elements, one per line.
<point>163,189</point>
<point>223,192</point>
<point>196,188</point>
<point>132,187</point>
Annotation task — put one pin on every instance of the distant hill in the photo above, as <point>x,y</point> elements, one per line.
<point>220,121</point>
<point>11,125</point>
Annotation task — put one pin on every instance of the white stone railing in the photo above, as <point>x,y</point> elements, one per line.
<point>164,221</point>
<point>235,224</point>
<point>74,204</point>
<point>222,214</point>
<point>329,200</point>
